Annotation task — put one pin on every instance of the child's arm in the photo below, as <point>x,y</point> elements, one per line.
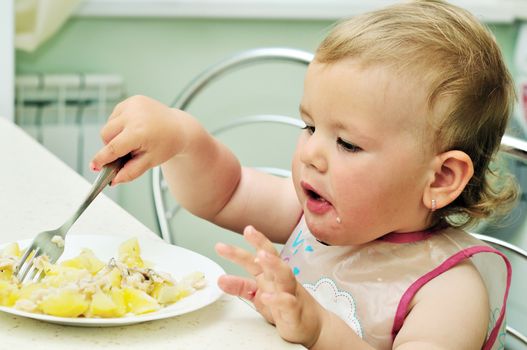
<point>450,312</point>
<point>205,177</point>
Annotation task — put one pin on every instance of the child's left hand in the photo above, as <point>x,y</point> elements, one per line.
<point>274,290</point>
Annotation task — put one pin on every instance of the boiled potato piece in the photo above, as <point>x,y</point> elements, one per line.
<point>8,258</point>
<point>64,303</point>
<point>168,294</point>
<point>6,274</point>
<point>85,260</point>
<point>101,305</point>
<point>9,293</point>
<point>107,305</point>
<point>130,253</point>
<point>115,277</point>
<point>139,302</point>
<point>117,295</point>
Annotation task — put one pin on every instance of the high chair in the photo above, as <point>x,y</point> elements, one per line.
<point>275,127</point>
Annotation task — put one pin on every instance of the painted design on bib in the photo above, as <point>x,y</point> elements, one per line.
<point>298,244</point>
<point>297,240</point>
<point>326,292</point>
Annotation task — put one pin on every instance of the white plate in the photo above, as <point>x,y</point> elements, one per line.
<point>165,257</point>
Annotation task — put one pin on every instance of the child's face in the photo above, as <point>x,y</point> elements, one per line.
<point>364,157</point>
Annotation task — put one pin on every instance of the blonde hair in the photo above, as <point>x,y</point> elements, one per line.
<point>463,67</point>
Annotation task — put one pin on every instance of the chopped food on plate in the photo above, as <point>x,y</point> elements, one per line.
<point>85,286</point>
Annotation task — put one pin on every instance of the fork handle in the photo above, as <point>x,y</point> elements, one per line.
<point>106,175</point>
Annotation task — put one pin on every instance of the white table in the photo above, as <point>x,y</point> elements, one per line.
<point>39,192</point>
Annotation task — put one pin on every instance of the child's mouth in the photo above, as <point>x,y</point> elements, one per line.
<point>313,195</point>
<point>315,202</point>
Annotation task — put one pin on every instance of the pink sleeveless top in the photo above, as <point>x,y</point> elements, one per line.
<point>371,286</point>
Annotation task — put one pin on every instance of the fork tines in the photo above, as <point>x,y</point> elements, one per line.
<point>26,269</point>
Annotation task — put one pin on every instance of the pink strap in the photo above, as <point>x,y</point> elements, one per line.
<point>452,261</point>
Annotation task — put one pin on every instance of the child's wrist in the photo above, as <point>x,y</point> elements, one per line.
<point>186,130</point>
<point>322,320</point>
<point>335,331</point>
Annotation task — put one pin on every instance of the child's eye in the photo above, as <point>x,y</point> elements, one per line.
<point>348,147</point>
<point>310,129</point>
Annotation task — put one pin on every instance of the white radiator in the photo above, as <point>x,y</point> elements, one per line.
<point>66,112</point>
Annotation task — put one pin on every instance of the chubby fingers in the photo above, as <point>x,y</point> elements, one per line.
<point>133,168</point>
<point>277,271</point>
<point>238,286</point>
<point>240,257</point>
<point>258,240</point>
<point>263,247</point>
<point>247,289</point>
<point>118,142</point>
<point>118,109</point>
<point>118,146</point>
<point>113,127</point>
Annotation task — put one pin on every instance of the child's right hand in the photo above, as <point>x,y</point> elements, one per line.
<point>147,129</point>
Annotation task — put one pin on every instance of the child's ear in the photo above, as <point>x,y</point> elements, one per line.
<point>452,171</point>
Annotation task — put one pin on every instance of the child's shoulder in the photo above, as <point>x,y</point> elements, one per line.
<point>458,304</point>
<point>459,282</point>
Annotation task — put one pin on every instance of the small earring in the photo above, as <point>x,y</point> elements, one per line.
<point>338,220</point>
<point>434,205</point>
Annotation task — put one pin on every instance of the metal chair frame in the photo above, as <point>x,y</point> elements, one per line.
<point>511,146</point>
<point>188,94</point>
<point>500,244</point>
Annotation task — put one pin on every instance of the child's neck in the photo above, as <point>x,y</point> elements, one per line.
<point>415,236</point>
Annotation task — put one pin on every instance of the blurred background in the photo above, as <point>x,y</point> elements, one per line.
<point>64,64</point>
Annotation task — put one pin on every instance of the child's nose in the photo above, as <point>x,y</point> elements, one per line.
<point>313,153</point>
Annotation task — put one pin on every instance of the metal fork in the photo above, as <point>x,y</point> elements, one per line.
<point>50,242</point>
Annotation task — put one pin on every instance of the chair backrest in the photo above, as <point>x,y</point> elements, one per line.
<point>517,307</point>
<point>517,338</point>
<point>166,208</point>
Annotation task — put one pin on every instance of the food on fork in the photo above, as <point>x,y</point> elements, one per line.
<point>58,240</point>
<point>85,286</point>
